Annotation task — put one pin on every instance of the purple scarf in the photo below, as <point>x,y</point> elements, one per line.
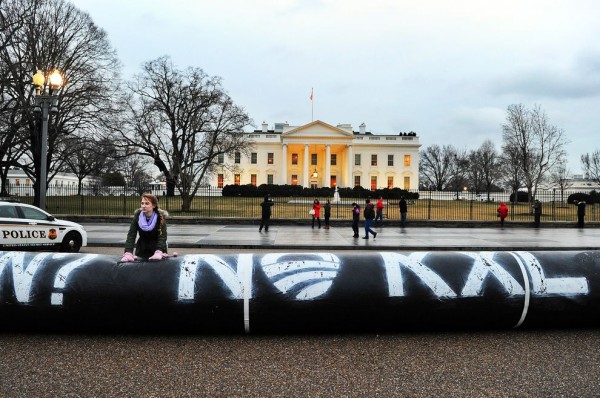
<point>147,225</point>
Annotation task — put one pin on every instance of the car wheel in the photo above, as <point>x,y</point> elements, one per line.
<point>71,243</point>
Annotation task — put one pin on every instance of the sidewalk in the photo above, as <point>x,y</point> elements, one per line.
<point>340,238</point>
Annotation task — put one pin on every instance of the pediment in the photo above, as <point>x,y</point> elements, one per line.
<point>317,129</point>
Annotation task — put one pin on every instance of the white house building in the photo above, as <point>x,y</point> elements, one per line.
<point>318,154</point>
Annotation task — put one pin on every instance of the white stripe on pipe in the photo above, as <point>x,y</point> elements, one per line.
<point>527,289</point>
<point>244,270</point>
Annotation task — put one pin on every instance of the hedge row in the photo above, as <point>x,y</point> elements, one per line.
<point>273,190</point>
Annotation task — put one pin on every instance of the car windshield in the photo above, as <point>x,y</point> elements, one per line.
<point>34,214</point>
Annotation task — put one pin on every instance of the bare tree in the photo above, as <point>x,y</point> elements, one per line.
<point>435,165</point>
<point>561,177</point>
<point>591,165</point>
<point>53,34</point>
<point>183,120</point>
<point>489,165</point>
<point>537,144</point>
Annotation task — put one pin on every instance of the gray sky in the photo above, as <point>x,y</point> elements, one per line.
<point>444,69</point>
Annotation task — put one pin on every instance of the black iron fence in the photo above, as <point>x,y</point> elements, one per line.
<point>431,205</point>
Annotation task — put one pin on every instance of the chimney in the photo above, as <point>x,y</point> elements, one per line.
<point>363,128</point>
<point>265,127</point>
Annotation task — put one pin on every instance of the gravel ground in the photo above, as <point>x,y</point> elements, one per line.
<point>526,363</point>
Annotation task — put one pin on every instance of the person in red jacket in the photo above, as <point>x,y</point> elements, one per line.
<point>317,215</point>
<point>502,213</point>
<point>379,211</point>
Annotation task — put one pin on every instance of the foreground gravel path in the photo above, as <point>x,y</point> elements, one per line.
<point>548,363</point>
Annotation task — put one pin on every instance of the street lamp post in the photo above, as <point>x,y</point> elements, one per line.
<point>46,102</point>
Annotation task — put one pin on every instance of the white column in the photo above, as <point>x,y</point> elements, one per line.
<point>327,165</point>
<point>349,181</point>
<point>283,179</point>
<point>305,171</point>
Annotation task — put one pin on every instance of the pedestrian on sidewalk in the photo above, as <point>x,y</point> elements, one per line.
<point>327,212</point>
<point>369,214</point>
<point>502,213</point>
<point>580,213</point>
<point>537,213</point>
<point>265,213</point>
<point>317,213</point>
<point>379,208</point>
<point>149,222</point>
<point>355,218</point>
<point>403,211</point>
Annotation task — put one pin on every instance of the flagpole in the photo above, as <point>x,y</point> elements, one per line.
<point>312,106</point>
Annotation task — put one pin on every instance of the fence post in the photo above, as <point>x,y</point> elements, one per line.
<point>554,204</point>
<point>429,207</point>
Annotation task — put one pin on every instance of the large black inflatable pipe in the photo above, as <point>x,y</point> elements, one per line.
<point>300,292</point>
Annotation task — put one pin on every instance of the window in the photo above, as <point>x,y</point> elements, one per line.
<point>17,181</point>
<point>253,179</point>
<point>294,179</point>
<point>357,181</point>
<point>407,160</point>
<point>253,158</point>
<point>238,157</point>
<point>390,182</point>
<point>332,181</point>
<point>313,159</point>
<point>27,182</point>
<point>294,158</point>
<point>220,158</point>
<point>373,160</point>
<point>373,183</point>
<point>236,179</point>
<point>406,182</point>
<point>220,181</point>
<point>333,159</point>
<point>270,179</point>
<point>390,160</point>
<point>270,158</point>
<point>357,159</point>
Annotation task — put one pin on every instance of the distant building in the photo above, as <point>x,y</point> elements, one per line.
<point>20,184</point>
<point>318,154</point>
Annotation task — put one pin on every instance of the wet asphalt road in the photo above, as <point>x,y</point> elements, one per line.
<point>551,363</point>
<point>524,363</point>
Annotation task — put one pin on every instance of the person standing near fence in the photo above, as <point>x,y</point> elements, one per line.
<point>149,222</point>
<point>355,218</point>
<point>317,213</point>
<point>327,212</point>
<point>580,213</point>
<point>265,214</point>
<point>379,208</point>
<point>369,216</point>
<point>403,210</point>
<point>537,213</point>
<point>502,212</point>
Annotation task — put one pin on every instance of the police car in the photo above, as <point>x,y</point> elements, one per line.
<point>25,227</point>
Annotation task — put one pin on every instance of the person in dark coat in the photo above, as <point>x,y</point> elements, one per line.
<point>265,214</point>
<point>580,213</point>
<point>327,212</point>
<point>149,222</point>
<point>403,211</point>
<point>369,214</point>
<point>537,213</point>
<point>355,218</point>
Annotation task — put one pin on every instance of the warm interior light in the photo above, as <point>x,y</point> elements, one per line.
<point>56,79</point>
<point>315,174</point>
<point>38,79</point>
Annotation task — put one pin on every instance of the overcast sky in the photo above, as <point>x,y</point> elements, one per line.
<point>444,69</point>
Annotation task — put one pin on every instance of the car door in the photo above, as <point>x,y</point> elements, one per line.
<point>40,230</point>
<point>13,229</point>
